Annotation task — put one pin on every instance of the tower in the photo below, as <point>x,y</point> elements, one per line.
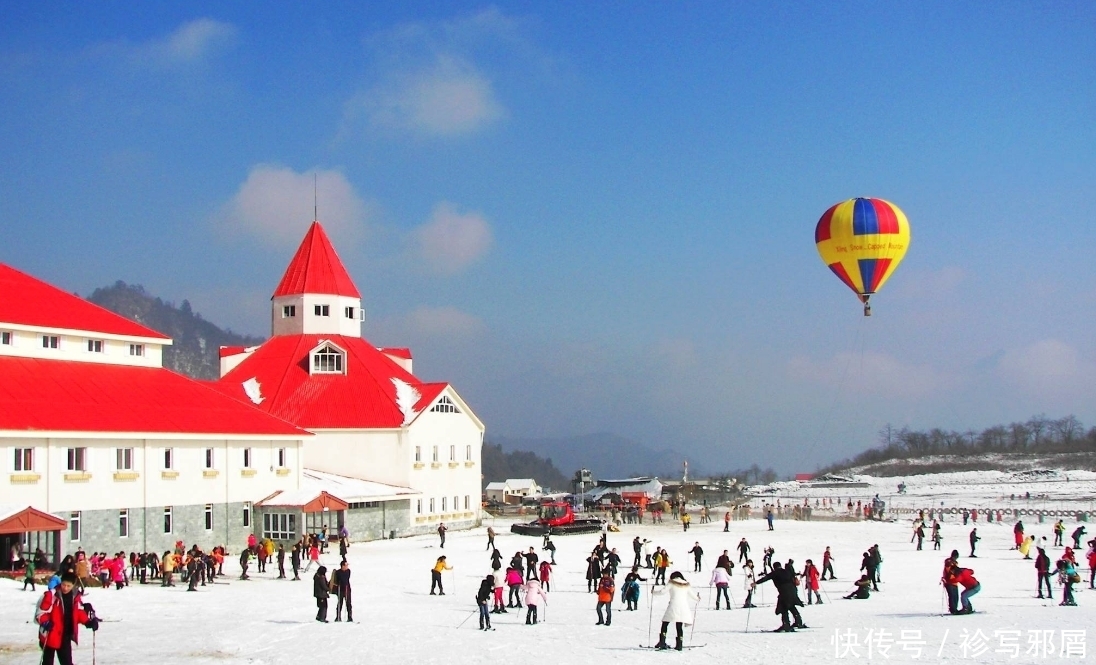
<point>316,294</point>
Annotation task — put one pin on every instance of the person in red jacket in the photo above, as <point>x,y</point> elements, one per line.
<point>810,581</point>
<point>965,578</point>
<point>59,615</point>
<point>949,584</point>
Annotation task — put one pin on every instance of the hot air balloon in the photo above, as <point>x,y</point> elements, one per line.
<point>863,241</point>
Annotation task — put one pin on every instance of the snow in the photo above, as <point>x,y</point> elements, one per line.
<point>406,398</point>
<point>253,390</point>
<point>270,621</point>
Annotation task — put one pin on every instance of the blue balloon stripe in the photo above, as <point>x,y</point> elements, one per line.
<point>864,219</point>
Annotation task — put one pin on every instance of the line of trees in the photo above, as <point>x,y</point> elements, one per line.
<point>1038,434</point>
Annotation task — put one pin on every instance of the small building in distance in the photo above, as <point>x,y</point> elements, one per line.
<point>512,490</point>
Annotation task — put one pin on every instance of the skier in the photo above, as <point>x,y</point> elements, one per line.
<point>320,592</point>
<point>743,550</point>
<point>514,580</point>
<point>499,578</point>
<point>1042,571</point>
<point>1018,534</point>
<point>295,561</point>
<point>551,547</point>
<point>486,588</point>
<point>769,518</point>
<point>787,599</point>
<point>1077,534</point>
<point>936,539</point>
<point>767,560</point>
<point>245,558</point>
<point>810,581</point>
<point>1091,556</point>
<point>441,533</point>
<point>724,562</point>
<point>721,581</point>
<point>630,589</point>
<point>637,547</point>
<point>612,562</point>
<point>534,596</point>
<point>748,583</point>
<point>919,533</point>
<point>965,577</point>
<point>827,564</point>
<point>1025,546</point>
<point>531,560</point>
<point>677,610</point>
<point>1067,577</point>
<point>697,553</point>
<point>863,589</point>
<point>974,538</point>
<point>605,591</point>
<point>663,562</point>
<point>59,614</point>
<point>877,561</point>
<point>1059,531</point>
<point>435,575</point>
<point>546,575</point>
<point>340,579</point>
<point>867,565</point>
<point>593,571</point>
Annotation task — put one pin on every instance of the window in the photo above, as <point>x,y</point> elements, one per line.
<point>247,458</point>
<point>169,462</point>
<point>327,359</point>
<point>123,459</point>
<point>289,311</point>
<point>74,526</point>
<point>167,519</point>
<point>247,513</point>
<point>418,506</point>
<point>5,338</point>
<point>136,349</point>
<point>209,458</point>
<point>444,503</point>
<point>467,501</point>
<point>280,526</point>
<point>322,310</point>
<point>468,453</point>
<point>435,453</point>
<point>418,453</point>
<point>77,459</point>
<point>123,523</point>
<point>456,503</point>
<point>349,311</point>
<point>50,341</point>
<point>281,458</point>
<point>452,453</point>
<point>364,504</point>
<point>209,517</point>
<point>431,506</point>
<point>95,346</point>
<point>445,405</point>
<point>24,459</point>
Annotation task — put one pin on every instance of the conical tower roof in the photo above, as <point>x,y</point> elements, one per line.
<point>316,269</point>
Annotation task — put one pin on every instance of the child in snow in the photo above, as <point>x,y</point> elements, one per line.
<point>514,581</point>
<point>546,575</point>
<point>499,578</point>
<point>678,611</point>
<point>534,596</point>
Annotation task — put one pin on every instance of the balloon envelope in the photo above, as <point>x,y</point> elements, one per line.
<point>862,241</point>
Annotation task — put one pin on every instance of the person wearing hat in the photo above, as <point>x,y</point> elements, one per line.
<point>59,615</point>
<point>606,588</point>
<point>340,579</point>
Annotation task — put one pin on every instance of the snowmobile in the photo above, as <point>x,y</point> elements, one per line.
<point>559,517</point>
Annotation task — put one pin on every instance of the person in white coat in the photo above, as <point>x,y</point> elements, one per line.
<point>534,596</point>
<point>678,611</point>
<point>749,583</point>
<point>721,581</point>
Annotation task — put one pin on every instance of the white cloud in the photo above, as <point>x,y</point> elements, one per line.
<point>451,240</point>
<point>872,374</point>
<point>275,205</point>
<point>450,97</point>
<point>1049,365</point>
<point>194,40</point>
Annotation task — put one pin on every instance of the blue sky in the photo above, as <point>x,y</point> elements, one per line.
<point>594,216</point>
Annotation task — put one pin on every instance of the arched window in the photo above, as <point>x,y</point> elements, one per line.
<point>445,405</point>
<point>328,359</point>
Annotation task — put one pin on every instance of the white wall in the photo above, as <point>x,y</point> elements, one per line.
<point>378,455</point>
<point>74,346</point>
<point>306,321</point>
<point>106,487</point>
<point>446,478</point>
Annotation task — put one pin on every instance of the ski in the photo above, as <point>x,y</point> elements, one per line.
<point>683,648</point>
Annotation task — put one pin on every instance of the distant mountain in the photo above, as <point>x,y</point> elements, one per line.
<point>196,342</point>
<point>606,455</point>
<point>499,466</point>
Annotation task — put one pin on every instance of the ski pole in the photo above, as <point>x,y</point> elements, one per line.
<point>709,598</point>
<point>650,612</point>
<point>458,625</point>
<point>749,608</point>
<point>692,629</point>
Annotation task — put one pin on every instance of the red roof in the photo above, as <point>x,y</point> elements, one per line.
<point>362,398</point>
<point>398,352</point>
<point>66,396</point>
<point>316,268</point>
<point>29,301</point>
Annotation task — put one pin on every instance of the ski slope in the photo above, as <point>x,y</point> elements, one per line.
<point>271,621</point>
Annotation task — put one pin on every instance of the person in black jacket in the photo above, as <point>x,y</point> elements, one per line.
<point>496,560</point>
<point>697,553</point>
<point>295,560</point>
<point>340,579</point>
<point>787,597</point>
<point>281,562</point>
<point>531,560</point>
<point>320,591</point>
<point>486,590</point>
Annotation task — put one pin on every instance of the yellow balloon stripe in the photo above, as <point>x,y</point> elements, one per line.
<point>863,241</point>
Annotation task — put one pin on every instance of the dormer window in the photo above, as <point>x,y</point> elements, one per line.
<point>328,359</point>
<point>322,310</point>
<point>136,349</point>
<point>95,346</point>
<point>50,341</point>
<point>445,405</point>
<point>289,311</point>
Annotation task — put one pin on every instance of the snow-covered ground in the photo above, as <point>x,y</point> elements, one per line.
<point>269,621</point>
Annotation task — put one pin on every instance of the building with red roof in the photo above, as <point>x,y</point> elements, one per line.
<point>132,456</point>
<point>369,416</point>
